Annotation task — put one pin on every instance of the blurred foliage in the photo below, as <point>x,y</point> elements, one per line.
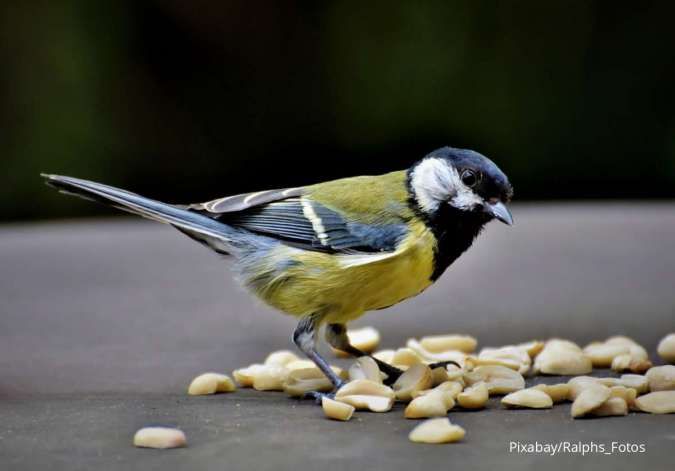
<point>187,101</point>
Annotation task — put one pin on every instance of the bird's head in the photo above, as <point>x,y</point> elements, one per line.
<point>462,179</point>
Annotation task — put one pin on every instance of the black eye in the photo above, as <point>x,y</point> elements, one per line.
<point>470,178</point>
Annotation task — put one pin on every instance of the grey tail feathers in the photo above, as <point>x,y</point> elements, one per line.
<point>219,237</point>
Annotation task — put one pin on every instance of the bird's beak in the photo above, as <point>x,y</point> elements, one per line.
<point>500,211</point>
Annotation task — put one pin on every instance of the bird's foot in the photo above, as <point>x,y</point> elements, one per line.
<point>318,396</point>
<point>393,373</point>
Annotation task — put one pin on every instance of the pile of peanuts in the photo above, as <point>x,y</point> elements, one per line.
<point>432,393</point>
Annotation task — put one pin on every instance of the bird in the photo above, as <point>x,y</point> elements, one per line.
<point>328,253</point>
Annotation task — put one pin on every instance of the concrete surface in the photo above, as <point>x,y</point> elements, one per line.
<point>103,323</point>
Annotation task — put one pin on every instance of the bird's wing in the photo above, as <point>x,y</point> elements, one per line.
<point>294,216</point>
<point>236,203</point>
<point>310,225</point>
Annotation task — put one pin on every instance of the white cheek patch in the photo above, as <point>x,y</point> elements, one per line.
<point>432,183</point>
<point>435,182</point>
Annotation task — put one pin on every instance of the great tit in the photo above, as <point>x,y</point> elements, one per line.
<point>328,253</point>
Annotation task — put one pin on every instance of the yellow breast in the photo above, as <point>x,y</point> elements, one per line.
<point>343,287</point>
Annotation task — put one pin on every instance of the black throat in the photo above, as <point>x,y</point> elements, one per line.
<point>454,229</point>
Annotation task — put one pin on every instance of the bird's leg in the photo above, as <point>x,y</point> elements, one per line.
<point>304,337</point>
<point>336,336</point>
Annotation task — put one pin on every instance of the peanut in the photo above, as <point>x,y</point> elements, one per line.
<point>365,368</point>
<point>602,354</point>
<point>557,392</point>
<point>611,407</point>
<point>498,379</point>
<point>588,399</point>
<point>366,402</point>
<point>533,348</point>
<point>366,394</point>
<point>365,339</point>
<point>437,431</point>
<point>434,403</point>
<point>365,387</point>
<point>635,349</point>
<point>262,377</point>
<point>609,382</point>
<point>280,358</point>
<point>621,340</point>
<point>661,378</point>
<point>561,357</point>
<point>474,362</point>
<point>563,344</point>
<point>336,410</point>
<point>621,363</point>
<point>443,343</point>
<point>666,348</point>
<point>300,381</point>
<point>634,357</point>
<point>578,384</point>
<point>159,437</point>
<point>301,364</point>
<point>415,378</point>
<point>637,382</point>
<point>439,375</point>
<point>452,388</point>
<point>429,356</point>
<point>630,362</point>
<point>529,398</point>
<point>513,357</point>
<point>211,383</point>
<point>660,402</point>
<point>244,376</point>
<point>627,394</point>
<point>270,378</point>
<point>474,397</point>
<point>455,374</point>
<point>405,357</point>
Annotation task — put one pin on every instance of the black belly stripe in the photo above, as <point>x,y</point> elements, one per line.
<point>454,229</point>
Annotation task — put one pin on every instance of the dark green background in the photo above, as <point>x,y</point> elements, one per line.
<point>191,100</point>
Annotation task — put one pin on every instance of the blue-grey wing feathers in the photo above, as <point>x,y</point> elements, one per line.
<point>312,226</point>
<point>242,222</point>
<point>235,203</point>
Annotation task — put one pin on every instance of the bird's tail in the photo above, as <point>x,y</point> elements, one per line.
<point>220,237</point>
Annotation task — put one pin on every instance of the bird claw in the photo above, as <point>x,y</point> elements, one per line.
<point>318,396</point>
<point>392,373</point>
<point>391,379</point>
